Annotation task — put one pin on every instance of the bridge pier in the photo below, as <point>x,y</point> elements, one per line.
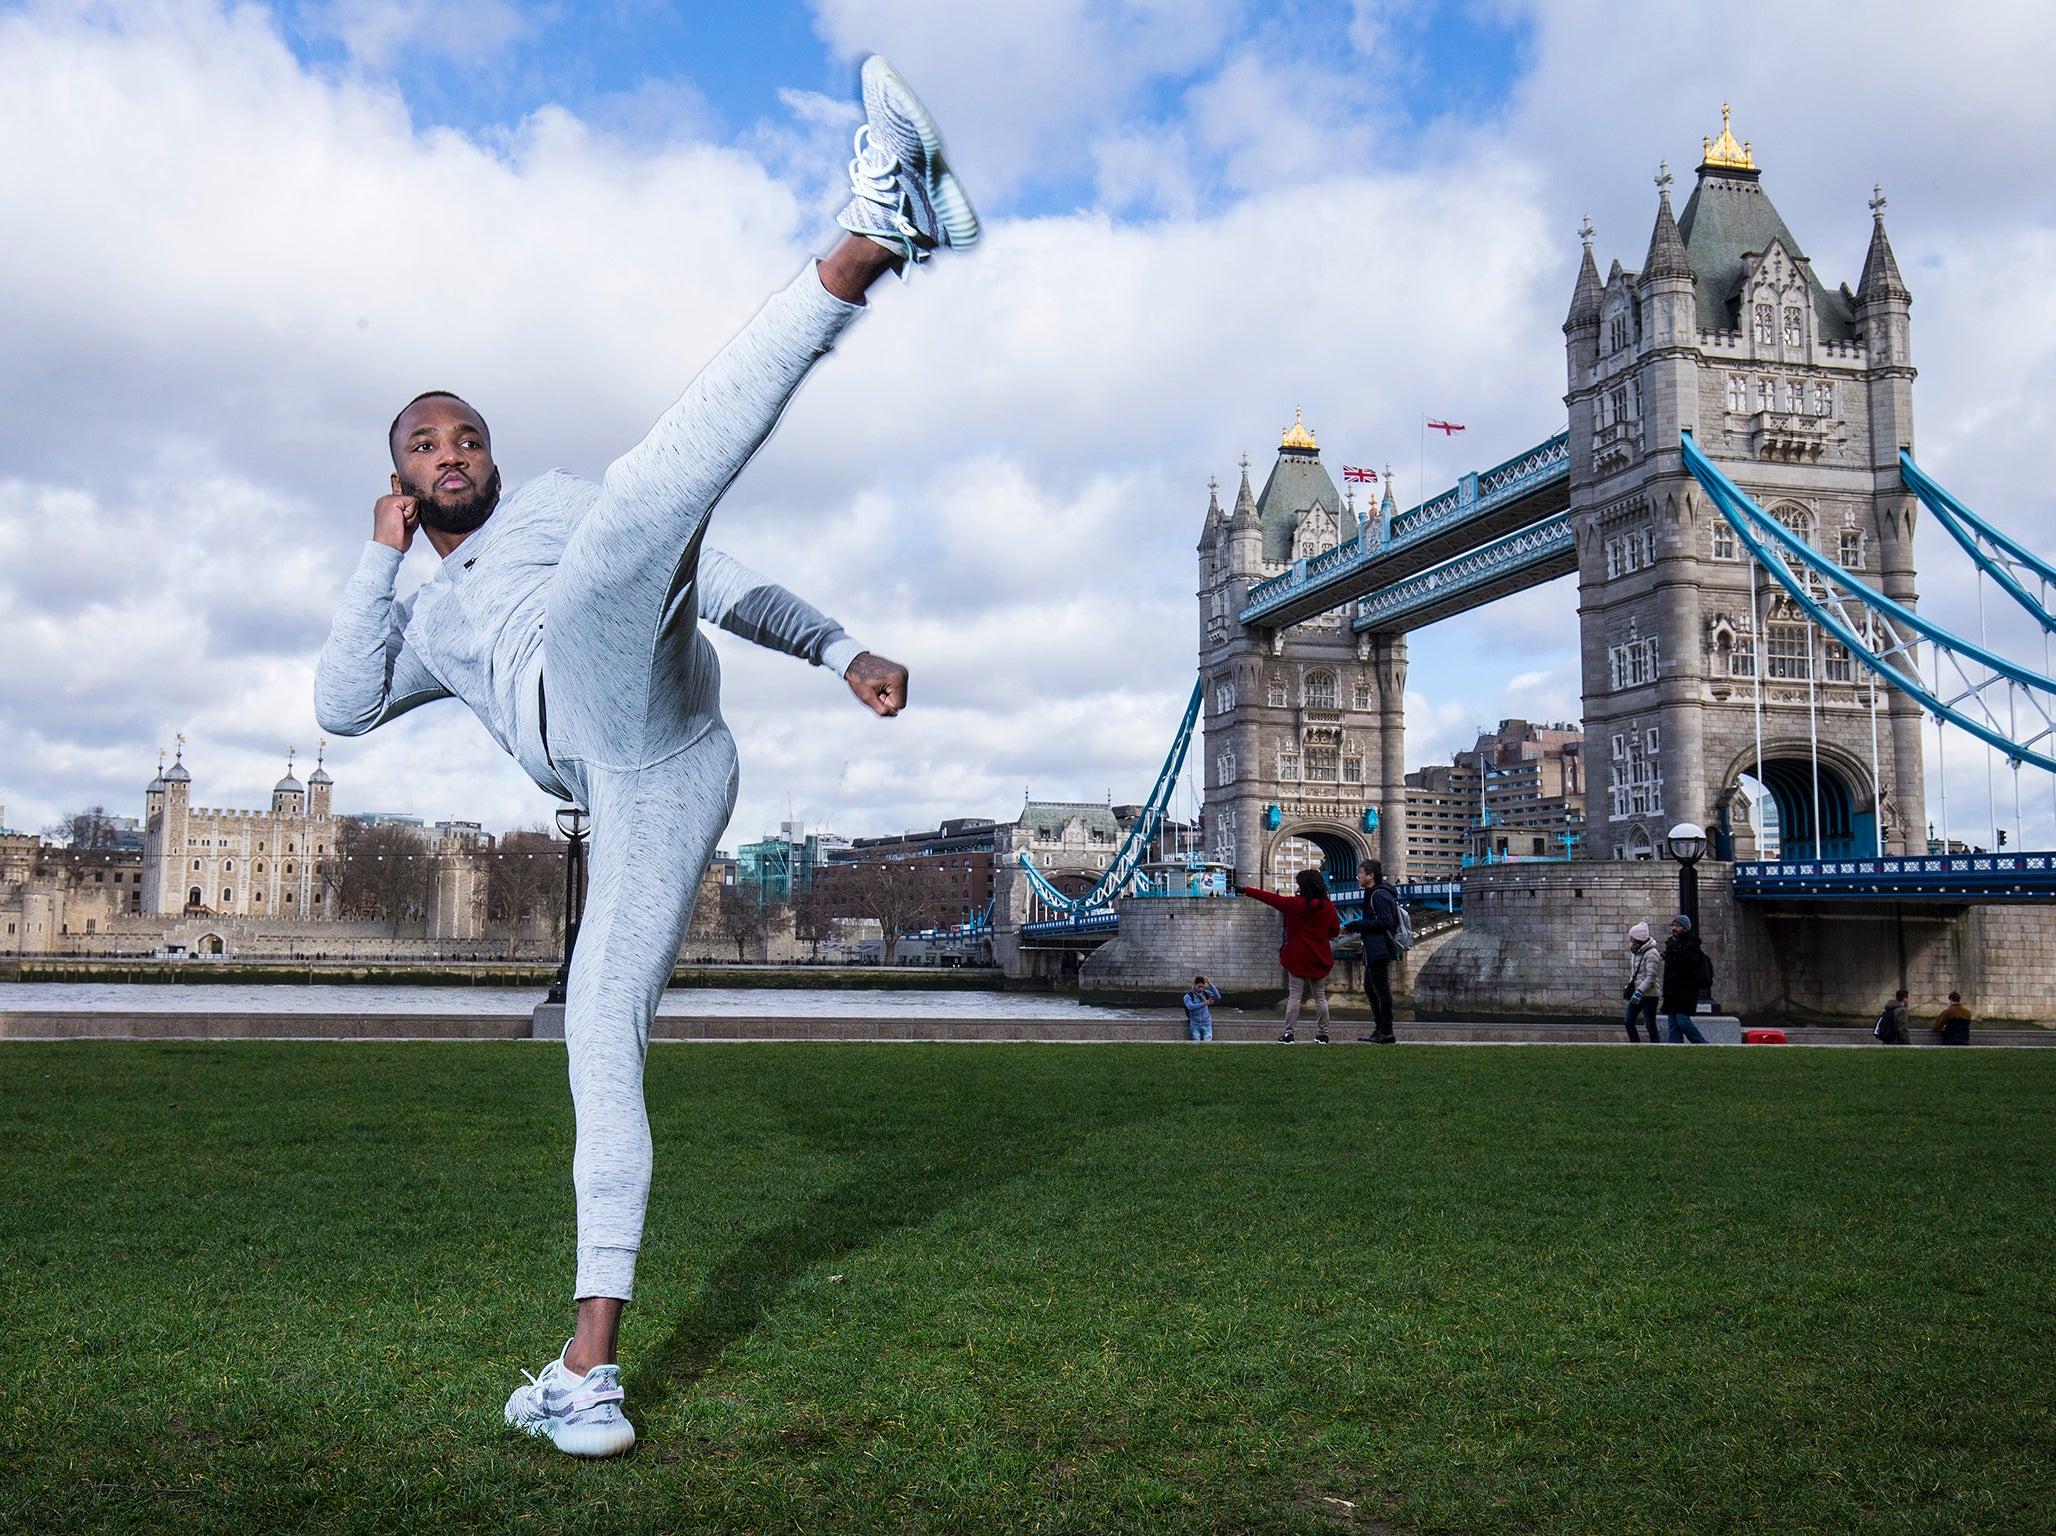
<point>1550,941</point>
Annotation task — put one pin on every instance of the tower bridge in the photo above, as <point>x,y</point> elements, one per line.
<point>1736,494</point>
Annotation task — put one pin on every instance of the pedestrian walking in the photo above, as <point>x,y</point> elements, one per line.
<point>1644,985</point>
<point>1307,954</point>
<point>1380,927</point>
<point>1686,973</point>
<point>1952,1024</point>
<point>1199,1013</point>
<point>1891,1026</point>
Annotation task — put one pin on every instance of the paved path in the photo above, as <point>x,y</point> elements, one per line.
<point>201,1024</point>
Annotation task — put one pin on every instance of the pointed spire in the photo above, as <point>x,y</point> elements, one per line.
<point>1213,508</point>
<point>1245,502</point>
<point>1667,256</point>
<point>1881,279</point>
<point>1585,297</point>
<point>1388,506</point>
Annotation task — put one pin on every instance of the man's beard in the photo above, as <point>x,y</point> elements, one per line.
<point>460,514</point>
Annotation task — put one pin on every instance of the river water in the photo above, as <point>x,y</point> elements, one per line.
<point>685,1002</point>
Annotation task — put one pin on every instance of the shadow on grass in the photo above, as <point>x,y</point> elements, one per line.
<point>904,1182</point>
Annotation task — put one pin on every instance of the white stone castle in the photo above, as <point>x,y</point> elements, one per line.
<point>238,863</point>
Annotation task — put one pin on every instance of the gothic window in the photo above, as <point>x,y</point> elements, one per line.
<point>1789,652</point>
<point>1617,333</point>
<point>1362,697</point>
<point>228,898</point>
<point>1278,699</point>
<point>1224,768</point>
<point>1320,690</point>
<point>1766,324</point>
<point>1766,390</point>
<point>1742,657</point>
<point>228,866</point>
<point>1795,395</point>
<point>1836,665</point>
<point>1635,784</point>
<point>1224,696</point>
<point>1851,552</point>
<point>1794,326</point>
<point>196,865</point>
<point>1288,765</point>
<point>1352,770</point>
<point>289,869</point>
<point>1823,399</point>
<point>1724,540</point>
<point>1738,392</point>
<point>1320,764</point>
<point>260,867</point>
<point>1798,519</point>
<point>1620,404</point>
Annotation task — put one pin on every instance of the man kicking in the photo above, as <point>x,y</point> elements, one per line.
<point>567,615</point>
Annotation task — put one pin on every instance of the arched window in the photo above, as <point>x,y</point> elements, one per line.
<point>1851,552</point>
<point>1320,690</point>
<point>1796,518</point>
<point>228,866</point>
<point>228,898</point>
<point>193,897</point>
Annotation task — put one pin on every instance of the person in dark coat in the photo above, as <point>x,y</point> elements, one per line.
<point>1686,973</point>
<point>1378,926</point>
<point>1307,954</point>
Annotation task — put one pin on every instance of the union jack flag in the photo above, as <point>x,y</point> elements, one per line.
<point>1360,476</point>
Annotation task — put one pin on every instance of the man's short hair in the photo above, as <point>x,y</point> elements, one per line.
<point>1955,997</point>
<point>426,394</point>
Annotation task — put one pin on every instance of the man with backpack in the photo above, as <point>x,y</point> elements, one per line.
<point>1890,1028</point>
<point>1687,972</point>
<point>1387,933</point>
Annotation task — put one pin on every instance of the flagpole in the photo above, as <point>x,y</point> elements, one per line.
<point>1421,468</point>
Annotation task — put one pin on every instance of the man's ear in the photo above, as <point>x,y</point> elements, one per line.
<point>398,489</point>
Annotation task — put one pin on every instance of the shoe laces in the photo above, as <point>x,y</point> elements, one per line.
<point>875,171</point>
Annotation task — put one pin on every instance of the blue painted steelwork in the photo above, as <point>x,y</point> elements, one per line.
<point>1857,615</point>
<point>1974,533</point>
<point>1935,877</point>
<point>1550,541</point>
<point>1106,921</point>
<point>1347,567</point>
<point>1141,836</point>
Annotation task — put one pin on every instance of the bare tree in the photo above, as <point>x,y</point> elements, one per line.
<point>904,895</point>
<point>82,830</point>
<point>811,921</point>
<point>384,871</point>
<point>524,883</point>
<point>742,919</point>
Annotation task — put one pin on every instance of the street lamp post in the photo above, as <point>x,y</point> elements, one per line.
<point>574,824</point>
<point>1687,842</point>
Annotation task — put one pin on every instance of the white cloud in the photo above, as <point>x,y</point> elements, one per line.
<point>227,270</point>
<point>379,33</point>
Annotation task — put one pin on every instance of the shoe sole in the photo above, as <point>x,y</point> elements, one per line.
<point>952,208</point>
<point>589,1441</point>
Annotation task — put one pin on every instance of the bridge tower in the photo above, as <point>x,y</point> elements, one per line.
<point>1804,396</point>
<point>1305,725</point>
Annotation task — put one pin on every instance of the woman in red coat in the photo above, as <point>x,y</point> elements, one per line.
<point>1310,927</point>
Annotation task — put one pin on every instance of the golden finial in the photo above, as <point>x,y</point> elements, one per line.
<point>1724,153</point>
<point>1299,434</point>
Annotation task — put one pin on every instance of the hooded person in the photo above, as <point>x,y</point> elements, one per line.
<point>1644,983</point>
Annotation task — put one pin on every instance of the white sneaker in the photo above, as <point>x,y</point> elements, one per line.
<point>581,1414</point>
<point>903,193</point>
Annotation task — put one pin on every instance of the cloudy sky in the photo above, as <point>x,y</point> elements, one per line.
<point>237,236</point>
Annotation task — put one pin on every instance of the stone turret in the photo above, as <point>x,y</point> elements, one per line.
<point>319,785</point>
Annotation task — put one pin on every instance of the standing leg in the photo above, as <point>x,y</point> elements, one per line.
<point>653,831</point>
<point>1295,988</point>
<point>1320,986</point>
<point>1378,985</point>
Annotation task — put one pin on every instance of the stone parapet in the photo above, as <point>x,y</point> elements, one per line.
<point>1166,940</point>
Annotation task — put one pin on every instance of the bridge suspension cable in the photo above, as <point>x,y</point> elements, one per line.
<point>2001,703</point>
<point>1135,847</point>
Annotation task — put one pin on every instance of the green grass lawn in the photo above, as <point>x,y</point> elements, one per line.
<point>259,1287</point>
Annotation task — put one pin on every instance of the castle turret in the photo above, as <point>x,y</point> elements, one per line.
<point>288,795</point>
<point>319,785</point>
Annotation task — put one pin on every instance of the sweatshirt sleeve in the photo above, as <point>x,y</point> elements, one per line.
<point>1269,900</point>
<point>753,606</point>
<point>367,673</point>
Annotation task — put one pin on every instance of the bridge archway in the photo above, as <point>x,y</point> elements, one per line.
<point>1324,845</point>
<point>1848,804</point>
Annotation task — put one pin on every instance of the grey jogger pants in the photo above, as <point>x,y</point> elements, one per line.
<point>634,730</point>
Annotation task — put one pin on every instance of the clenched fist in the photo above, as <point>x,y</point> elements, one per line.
<point>880,685</point>
<point>394,519</point>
